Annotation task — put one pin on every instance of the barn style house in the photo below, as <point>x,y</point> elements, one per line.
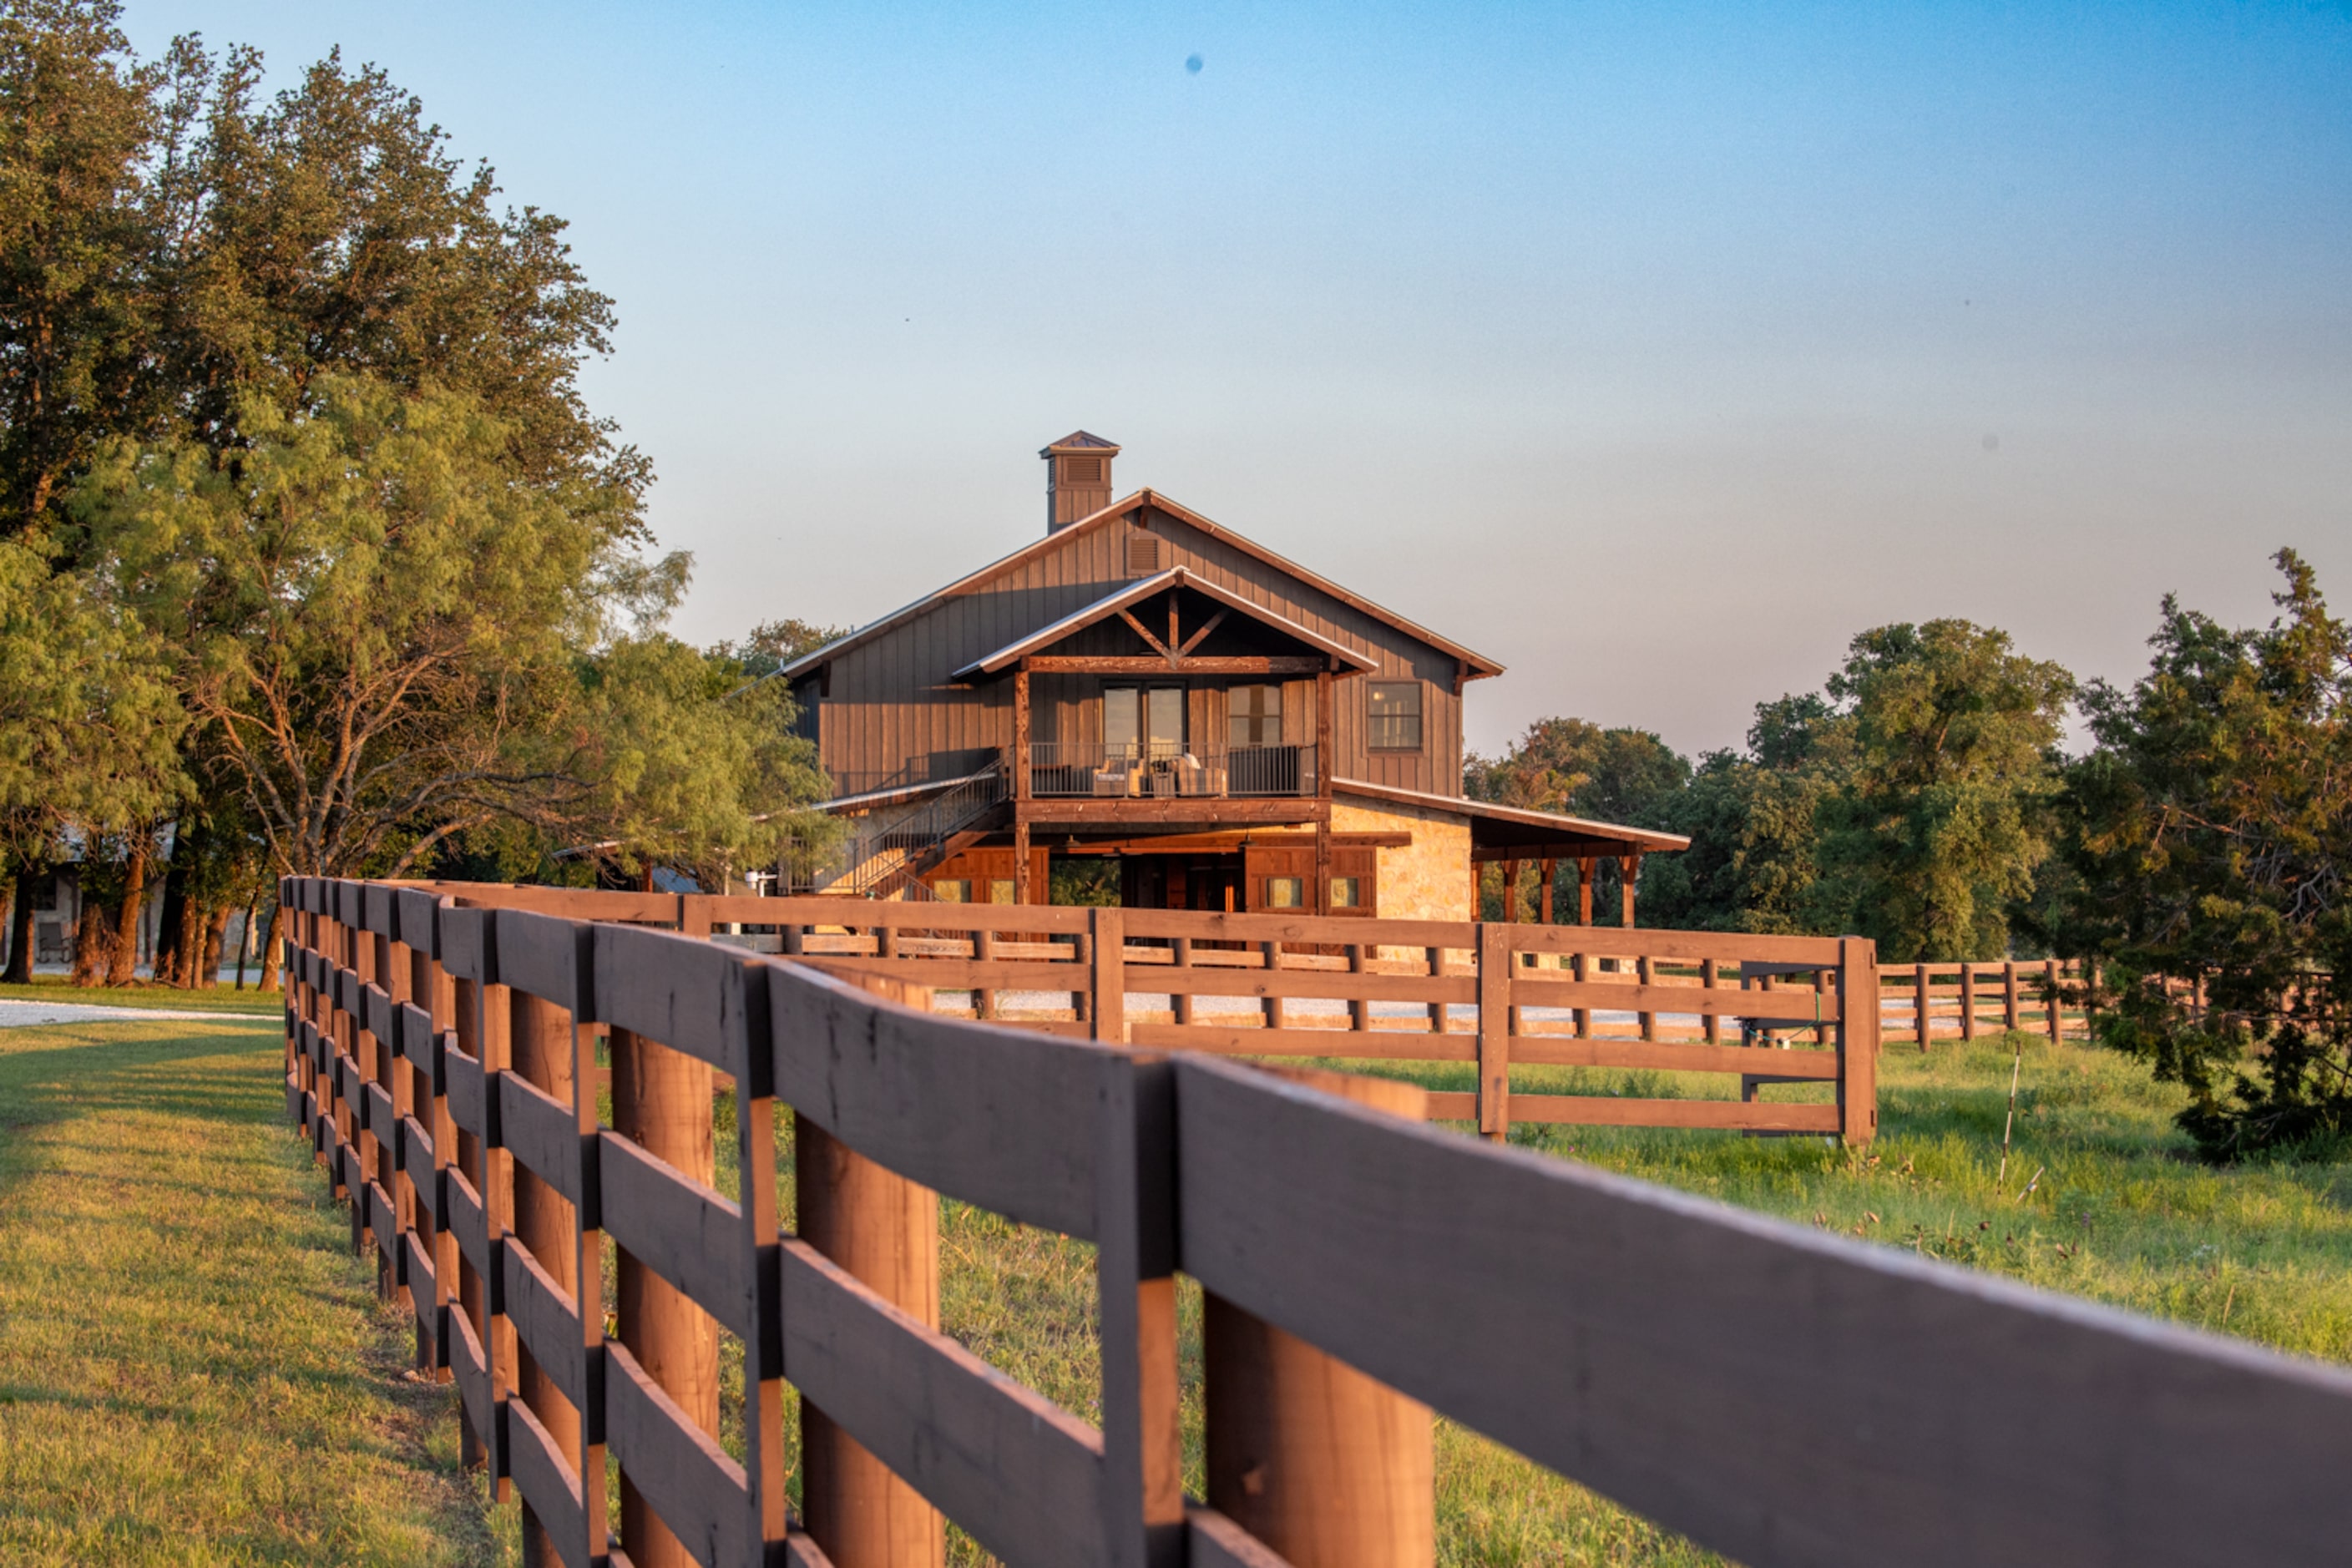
<point>1234,730</point>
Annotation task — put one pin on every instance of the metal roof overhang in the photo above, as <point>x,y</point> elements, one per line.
<point>1135,592</point>
<point>896,794</point>
<point>1512,832</point>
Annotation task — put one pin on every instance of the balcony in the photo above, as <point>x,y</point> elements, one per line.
<point>1167,771</point>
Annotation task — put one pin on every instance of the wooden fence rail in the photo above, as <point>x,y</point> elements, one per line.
<point>1780,1394</point>
<point>1758,1011</point>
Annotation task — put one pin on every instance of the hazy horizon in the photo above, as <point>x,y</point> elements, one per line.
<point>1653,352</point>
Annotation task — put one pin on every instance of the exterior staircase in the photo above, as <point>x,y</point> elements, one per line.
<point>887,858</point>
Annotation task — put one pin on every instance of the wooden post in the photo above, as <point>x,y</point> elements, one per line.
<point>1359,1009</point>
<point>1585,891</point>
<point>545,1046</point>
<point>1325,1466</point>
<point>1710,977</point>
<point>1968,1000</point>
<point>1583,975</point>
<point>1494,960</point>
<point>1543,898</point>
<point>1276,1015</point>
<point>1510,892</point>
<point>481,1022</point>
<point>1644,972</point>
<point>2052,1013</point>
<point>1919,1004</point>
<point>2009,994</point>
<point>1323,736</point>
<point>1180,1002</point>
<point>884,1230</point>
<point>1023,893</point>
<point>1021,747</point>
<point>1629,867</point>
<point>1857,1040</point>
<point>661,1101</point>
<point>1106,928</point>
<point>1322,900</point>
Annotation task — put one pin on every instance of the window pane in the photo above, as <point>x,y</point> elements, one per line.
<point>1285,893</point>
<point>1393,716</point>
<point>951,892</point>
<point>1120,705</point>
<point>999,890</point>
<point>1254,716</point>
<point>1343,892</point>
<point>1167,721</point>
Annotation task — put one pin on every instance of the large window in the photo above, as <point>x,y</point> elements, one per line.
<point>1143,721</point>
<point>1253,717</point>
<point>1393,716</point>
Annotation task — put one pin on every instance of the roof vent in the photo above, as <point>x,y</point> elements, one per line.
<point>1078,478</point>
<point>1143,554</point>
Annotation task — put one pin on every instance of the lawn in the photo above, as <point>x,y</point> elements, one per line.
<point>221,998</point>
<point>212,1381</point>
<point>193,1368</point>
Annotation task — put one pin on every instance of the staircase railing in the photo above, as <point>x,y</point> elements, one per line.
<point>884,857</point>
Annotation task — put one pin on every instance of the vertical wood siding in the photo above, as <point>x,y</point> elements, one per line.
<point>891,706</point>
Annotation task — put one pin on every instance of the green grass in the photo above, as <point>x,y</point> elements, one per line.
<point>223,998</point>
<point>2120,1213</point>
<point>193,1368</point>
<point>212,1381</point>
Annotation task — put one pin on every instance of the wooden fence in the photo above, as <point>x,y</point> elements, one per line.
<point>1781,1395</point>
<point>1927,1001</point>
<point>1759,1010</point>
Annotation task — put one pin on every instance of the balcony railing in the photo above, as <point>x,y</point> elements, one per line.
<point>1059,771</point>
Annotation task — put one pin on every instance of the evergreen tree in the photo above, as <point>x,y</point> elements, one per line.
<point>2211,835</point>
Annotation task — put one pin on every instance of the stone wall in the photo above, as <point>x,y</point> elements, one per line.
<point>1430,879</point>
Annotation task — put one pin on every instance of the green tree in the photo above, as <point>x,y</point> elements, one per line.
<point>2211,835</point>
<point>771,645</point>
<point>1577,768</point>
<point>1754,823</point>
<point>1939,828</point>
<point>694,768</point>
<point>89,726</point>
<point>77,251</point>
<point>374,615</point>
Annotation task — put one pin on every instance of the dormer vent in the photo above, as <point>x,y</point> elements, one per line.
<point>1078,478</point>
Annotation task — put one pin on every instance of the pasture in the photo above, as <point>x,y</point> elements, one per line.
<point>193,1368</point>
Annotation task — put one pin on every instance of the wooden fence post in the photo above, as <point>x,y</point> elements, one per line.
<point>1921,1003</point>
<point>1857,1040</point>
<point>2009,1013</point>
<point>1323,1464</point>
<point>542,1040</point>
<point>2052,1013</point>
<point>661,1101</point>
<point>1494,960</point>
<point>1968,1000</point>
<point>1106,974</point>
<point>884,1230</point>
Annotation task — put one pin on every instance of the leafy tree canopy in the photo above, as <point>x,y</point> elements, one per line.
<point>1943,818</point>
<point>2211,836</point>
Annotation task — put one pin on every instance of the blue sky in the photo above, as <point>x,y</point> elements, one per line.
<point>1653,351</point>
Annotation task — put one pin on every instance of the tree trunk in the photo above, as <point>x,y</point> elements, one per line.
<point>171,929</point>
<point>20,925</point>
<point>122,963</point>
<point>187,945</point>
<point>94,939</point>
<point>245,939</point>
<point>216,939</point>
<point>269,951</point>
